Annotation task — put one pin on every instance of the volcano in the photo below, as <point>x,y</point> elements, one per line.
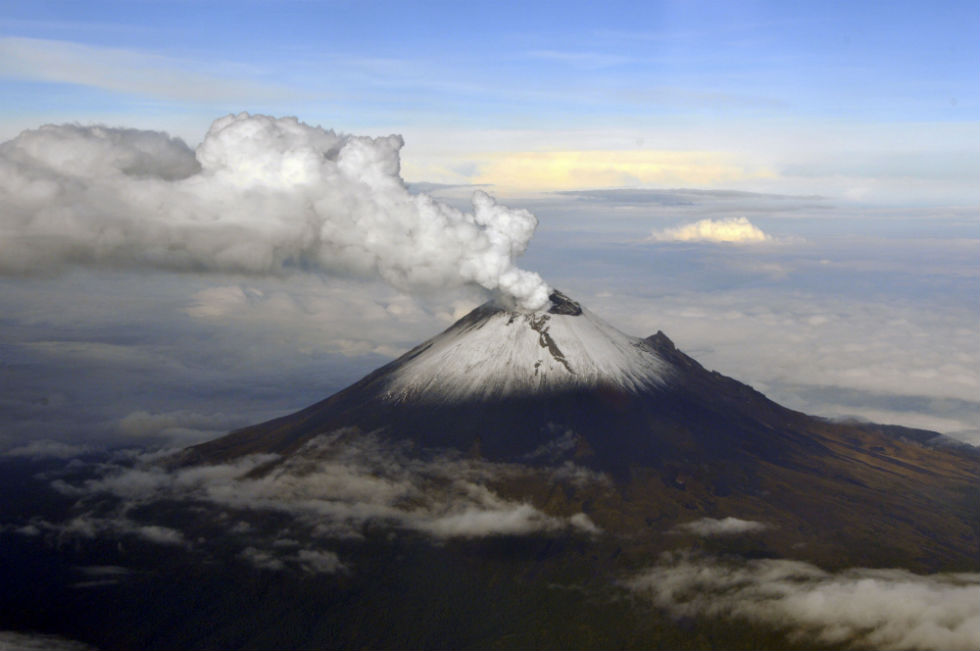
<point>522,480</point>
<point>562,387</point>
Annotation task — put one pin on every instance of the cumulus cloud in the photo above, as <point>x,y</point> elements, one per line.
<point>259,195</point>
<point>724,527</point>
<point>734,230</point>
<point>859,607</point>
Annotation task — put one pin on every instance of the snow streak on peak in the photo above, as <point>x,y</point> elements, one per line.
<point>494,352</point>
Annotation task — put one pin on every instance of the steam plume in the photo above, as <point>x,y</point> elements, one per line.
<point>260,195</point>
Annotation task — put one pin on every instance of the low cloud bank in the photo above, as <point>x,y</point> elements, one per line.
<point>724,527</point>
<point>336,488</point>
<point>260,195</point>
<point>735,230</point>
<point>340,482</point>
<point>176,426</point>
<point>47,449</point>
<point>859,607</point>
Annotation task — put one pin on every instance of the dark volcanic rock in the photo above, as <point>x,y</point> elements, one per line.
<point>561,304</point>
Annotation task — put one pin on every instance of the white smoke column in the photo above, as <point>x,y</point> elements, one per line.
<point>260,195</point>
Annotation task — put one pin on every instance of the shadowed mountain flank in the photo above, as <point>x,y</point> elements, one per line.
<point>677,441</point>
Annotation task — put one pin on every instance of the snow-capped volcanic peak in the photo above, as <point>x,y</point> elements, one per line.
<point>494,352</point>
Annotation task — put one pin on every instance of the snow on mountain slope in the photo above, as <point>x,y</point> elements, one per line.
<point>495,352</point>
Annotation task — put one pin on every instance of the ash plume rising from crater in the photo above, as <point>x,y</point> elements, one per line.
<point>259,195</point>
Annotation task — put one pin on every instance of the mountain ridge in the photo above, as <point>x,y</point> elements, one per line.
<point>695,443</point>
<point>377,519</point>
<point>664,371</point>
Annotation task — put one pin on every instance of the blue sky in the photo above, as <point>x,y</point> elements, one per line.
<point>847,132</point>
<point>895,61</point>
<point>762,86</point>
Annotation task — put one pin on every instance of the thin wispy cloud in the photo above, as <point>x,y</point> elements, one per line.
<point>129,71</point>
<point>47,449</point>
<point>575,169</point>
<point>579,59</point>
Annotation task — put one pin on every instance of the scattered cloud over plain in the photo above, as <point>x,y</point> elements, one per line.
<point>857,608</point>
<point>90,527</point>
<point>734,230</point>
<point>47,449</point>
<point>720,527</point>
<point>310,561</point>
<point>333,489</point>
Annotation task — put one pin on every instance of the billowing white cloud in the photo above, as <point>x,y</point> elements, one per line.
<point>859,607</point>
<point>724,527</point>
<point>734,230</point>
<point>259,195</point>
